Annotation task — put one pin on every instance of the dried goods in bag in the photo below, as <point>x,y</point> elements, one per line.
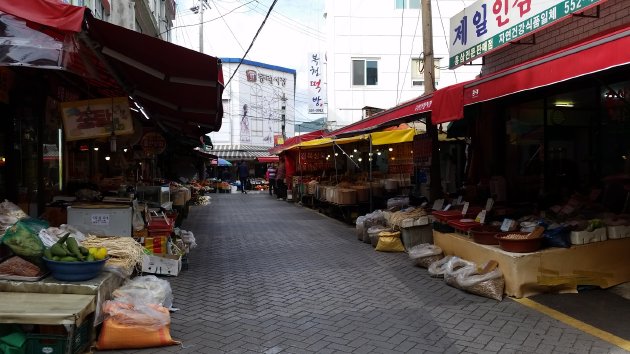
<point>490,284</point>
<point>390,242</point>
<point>457,267</point>
<point>436,269</point>
<point>424,254</point>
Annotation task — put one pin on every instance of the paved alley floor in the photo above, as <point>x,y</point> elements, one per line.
<point>273,277</point>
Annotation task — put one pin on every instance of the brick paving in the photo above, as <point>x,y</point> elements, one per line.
<point>273,277</point>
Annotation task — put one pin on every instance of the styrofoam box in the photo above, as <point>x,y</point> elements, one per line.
<point>619,231</point>
<point>167,264</point>
<point>101,221</point>
<point>582,237</point>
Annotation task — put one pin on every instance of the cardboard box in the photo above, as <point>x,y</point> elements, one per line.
<point>165,265</point>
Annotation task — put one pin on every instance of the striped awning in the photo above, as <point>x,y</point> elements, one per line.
<point>240,152</point>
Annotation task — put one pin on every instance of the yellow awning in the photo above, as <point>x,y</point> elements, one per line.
<point>393,136</point>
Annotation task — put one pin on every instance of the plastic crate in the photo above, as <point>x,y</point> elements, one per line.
<point>58,343</point>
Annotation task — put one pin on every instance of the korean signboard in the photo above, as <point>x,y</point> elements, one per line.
<point>489,24</point>
<point>316,91</point>
<point>96,118</point>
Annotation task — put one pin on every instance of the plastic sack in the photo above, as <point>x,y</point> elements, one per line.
<point>9,209</point>
<point>137,221</point>
<point>397,203</point>
<point>22,238</point>
<point>458,267</point>
<point>390,243</point>
<point>374,231</point>
<point>436,269</point>
<point>360,227</point>
<point>145,315</point>
<point>489,285</point>
<point>424,254</point>
<point>557,237</point>
<point>144,290</point>
<point>128,326</point>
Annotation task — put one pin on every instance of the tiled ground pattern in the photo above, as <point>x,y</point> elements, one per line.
<point>272,277</point>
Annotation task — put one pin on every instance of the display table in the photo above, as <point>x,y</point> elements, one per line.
<point>38,308</point>
<point>604,264</point>
<point>100,287</point>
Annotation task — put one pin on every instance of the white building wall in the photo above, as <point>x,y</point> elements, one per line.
<point>376,30</point>
<point>253,109</point>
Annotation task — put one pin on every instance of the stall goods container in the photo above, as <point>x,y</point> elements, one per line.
<point>346,196</point>
<point>582,237</point>
<point>416,235</point>
<point>363,193</point>
<point>103,221</point>
<point>618,231</point>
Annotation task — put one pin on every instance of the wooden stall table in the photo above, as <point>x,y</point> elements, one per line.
<point>71,310</point>
<point>100,287</point>
<point>603,264</point>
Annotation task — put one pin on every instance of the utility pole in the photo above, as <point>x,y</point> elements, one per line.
<point>435,179</point>
<point>283,116</point>
<point>199,10</point>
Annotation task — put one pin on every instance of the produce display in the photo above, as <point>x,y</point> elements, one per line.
<point>67,249</point>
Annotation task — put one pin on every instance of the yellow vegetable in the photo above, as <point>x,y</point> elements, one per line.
<point>92,250</point>
<point>101,253</point>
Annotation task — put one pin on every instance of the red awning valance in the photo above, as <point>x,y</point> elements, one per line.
<point>448,104</point>
<point>587,57</point>
<point>416,106</point>
<point>268,159</point>
<point>184,99</point>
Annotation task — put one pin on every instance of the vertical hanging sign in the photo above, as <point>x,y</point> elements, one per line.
<point>316,92</point>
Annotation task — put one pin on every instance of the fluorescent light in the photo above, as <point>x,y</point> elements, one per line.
<point>563,104</point>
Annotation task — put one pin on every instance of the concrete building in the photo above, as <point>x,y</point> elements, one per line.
<point>151,17</point>
<point>374,54</point>
<point>258,100</point>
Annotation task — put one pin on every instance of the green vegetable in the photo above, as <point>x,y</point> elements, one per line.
<point>73,247</point>
<point>58,250</point>
<point>48,253</point>
<point>23,240</point>
<point>63,239</point>
<point>90,258</point>
<point>68,259</point>
<point>56,258</point>
<point>84,250</point>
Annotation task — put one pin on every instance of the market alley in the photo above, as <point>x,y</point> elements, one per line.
<point>273,277</point>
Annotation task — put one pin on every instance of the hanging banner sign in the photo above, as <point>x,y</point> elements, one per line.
<point>96,118</point>
<point>153,143</point>
<point>316,91</point>
<point>490,24</point>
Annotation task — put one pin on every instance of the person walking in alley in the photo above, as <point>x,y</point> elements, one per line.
<point>280,184</point>
<point>271,177</point>
<point>243,174</point>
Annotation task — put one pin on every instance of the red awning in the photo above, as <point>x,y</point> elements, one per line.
<point>416,106</point>
<point>448,104</point>
<point>182,98</point>
<point>180,86</point>
<point>46,12</point>
<point>268,159</point>
<point>296,140</point>
<point>599,53</point>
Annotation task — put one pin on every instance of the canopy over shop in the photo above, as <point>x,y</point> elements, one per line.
<point>114,90</point>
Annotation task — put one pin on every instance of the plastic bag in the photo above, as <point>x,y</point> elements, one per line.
<point>390,242</point>
<point>144,290</point>
<point>360,227</point>
<point>424,254</point>
<point>10,209</point>
<point>458,267</point>
<point>489,285</point>
<point>135,314</point>
<point>557,237</point>
<point>374,231</point>
<point>22,238</point>
<point>436,269</point>
<point>137,221</point>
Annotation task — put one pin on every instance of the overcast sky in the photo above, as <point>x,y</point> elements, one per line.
<point>294,29</point>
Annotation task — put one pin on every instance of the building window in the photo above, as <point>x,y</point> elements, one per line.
<point>99,9</point>
<point>364,72</point>
<point>407,4</point>
<point>417,71</point>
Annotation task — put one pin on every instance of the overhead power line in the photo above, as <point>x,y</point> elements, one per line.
<point>253,40</point>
